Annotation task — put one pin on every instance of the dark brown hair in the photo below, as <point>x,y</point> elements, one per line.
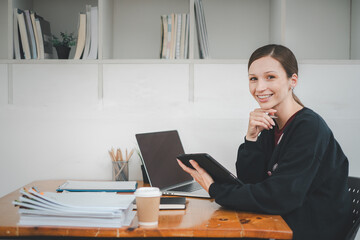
<point>283,55</point>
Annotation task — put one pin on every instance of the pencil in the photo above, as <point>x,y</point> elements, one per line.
<point>130,154</point>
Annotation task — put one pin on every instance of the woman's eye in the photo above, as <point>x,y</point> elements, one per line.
<point>271,77</point>
<point>253,79</point>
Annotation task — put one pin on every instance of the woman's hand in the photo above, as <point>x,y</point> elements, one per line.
<point>199,174</point>
<point>259,120</point>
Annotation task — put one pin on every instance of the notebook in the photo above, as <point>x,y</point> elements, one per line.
<point>159,151</point>
<point>98,186</point>
<point>167,203</point>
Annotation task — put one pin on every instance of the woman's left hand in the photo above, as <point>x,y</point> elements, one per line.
<point>199,174</point>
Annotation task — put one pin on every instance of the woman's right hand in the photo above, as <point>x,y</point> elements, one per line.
<point>259,120</point>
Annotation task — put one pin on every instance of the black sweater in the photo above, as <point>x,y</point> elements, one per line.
<point>308,181</point>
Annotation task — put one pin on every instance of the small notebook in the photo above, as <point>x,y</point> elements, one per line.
<point>167,203</point>
<point>98,186</point>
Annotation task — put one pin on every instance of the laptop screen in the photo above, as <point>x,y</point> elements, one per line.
<point>159,151</point>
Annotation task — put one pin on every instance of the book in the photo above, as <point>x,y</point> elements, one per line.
<point>173,36</point>
<point>32,17</point>
<point>30,33</point>
<point>93,52</point>
<point>18,53</point>
<point>164,36</point>
<point>88,32</point>
<point>23,34</point>
<point>170,203</point>
<point>201,30</point>
<point>168,46</point>
<point>98,186</point>
<point>186,48</point>
<point>47,36</point>
<point>40,39</point>
<point>80,43</point>
<point>83,209</point>
<point>183,35</point>
<point>178,36</point>
<point>204,29</point>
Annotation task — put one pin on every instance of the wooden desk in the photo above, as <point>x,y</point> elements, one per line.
<point>202,218</point>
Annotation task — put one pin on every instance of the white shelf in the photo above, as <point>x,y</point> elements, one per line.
<point>130,29</point>
<point>236,28</point>
<point>63,15</point>
<point>163,61</point>
<point>319,32</point>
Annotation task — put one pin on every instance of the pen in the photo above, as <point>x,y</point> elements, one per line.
<point>270,115</point>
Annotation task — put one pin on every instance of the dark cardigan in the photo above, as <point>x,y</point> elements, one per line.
<point>303,179</point>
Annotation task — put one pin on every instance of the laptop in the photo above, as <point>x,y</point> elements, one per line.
<point>159,151</point>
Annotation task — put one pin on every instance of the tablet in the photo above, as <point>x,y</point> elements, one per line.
<point>219,173</point>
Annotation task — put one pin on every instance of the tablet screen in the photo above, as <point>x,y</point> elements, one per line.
<point>219,173</point>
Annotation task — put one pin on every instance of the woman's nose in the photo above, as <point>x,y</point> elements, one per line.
<point>261,85</point>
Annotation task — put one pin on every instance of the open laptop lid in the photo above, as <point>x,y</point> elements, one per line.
<point>159,151</point>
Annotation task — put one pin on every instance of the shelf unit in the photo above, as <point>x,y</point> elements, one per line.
<point>319,31</point>
<point>130,29</point>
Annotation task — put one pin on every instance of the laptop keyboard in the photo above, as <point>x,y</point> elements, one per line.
<point>188,188</point>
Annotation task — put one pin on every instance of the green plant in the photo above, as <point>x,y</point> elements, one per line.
<point>67,40</point>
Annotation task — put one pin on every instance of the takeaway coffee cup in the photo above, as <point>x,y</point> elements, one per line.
<point>147,203</point>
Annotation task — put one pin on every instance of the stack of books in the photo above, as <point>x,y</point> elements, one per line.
<point>32,36</point>
<point>201,30</point>
<point>175,36</point>
<point>87,42</point>
<point>80,209</point>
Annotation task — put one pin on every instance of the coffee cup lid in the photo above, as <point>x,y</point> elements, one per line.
<point>148,192</point>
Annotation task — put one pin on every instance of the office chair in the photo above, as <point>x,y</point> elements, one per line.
<point>354,189</point>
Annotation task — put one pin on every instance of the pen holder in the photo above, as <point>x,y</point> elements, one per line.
<point>120,170</point>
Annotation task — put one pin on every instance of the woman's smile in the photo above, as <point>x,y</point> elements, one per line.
<point>264,97</point>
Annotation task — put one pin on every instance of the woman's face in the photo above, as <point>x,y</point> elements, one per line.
<point>269,84</point>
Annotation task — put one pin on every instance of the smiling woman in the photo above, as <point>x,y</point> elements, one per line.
<point>290,161</point>
<point>284,57</point>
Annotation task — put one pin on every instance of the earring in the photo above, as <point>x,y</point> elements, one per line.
<point>292,88</point>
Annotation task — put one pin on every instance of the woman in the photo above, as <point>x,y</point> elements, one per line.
<point>290,161</point>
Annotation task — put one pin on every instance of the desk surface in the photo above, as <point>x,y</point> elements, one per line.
<point>202,218</point>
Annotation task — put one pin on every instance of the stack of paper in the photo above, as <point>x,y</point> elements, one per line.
<point>82,209</point>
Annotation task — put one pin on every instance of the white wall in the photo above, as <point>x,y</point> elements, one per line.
<point>227,31</point>
<point>309,29</point>
<point>57,129</point>
<point>3,84</point>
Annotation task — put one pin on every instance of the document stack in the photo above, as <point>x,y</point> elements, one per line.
<point>80,209</point>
